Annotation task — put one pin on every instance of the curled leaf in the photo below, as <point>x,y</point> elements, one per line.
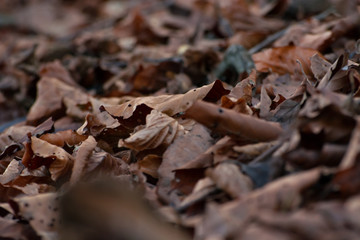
<point>67,137</point>
<point>56,158</point>
<point>160,129</point>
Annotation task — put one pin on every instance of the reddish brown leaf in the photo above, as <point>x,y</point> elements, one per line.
<point>284,60</point>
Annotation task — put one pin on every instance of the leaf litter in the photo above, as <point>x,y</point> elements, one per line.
<point>185,119</point>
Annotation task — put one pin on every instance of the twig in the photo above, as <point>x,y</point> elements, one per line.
<point>229,122</point>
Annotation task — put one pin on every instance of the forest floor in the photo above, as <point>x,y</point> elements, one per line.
<point>195,119</point>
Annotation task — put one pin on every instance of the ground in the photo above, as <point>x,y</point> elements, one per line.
<point>196,119</point>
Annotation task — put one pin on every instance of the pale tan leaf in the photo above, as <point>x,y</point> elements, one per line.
<point>159,129</point>
<point>82,155</point>
<point>63,160</point>
<point>12,171</point>
<point>41,211</point>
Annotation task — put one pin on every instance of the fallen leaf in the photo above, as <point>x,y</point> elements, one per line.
<point>81,157</point>
<point>284,60</point>
<point>41,211</point>
<point>169,104</point>
<point>150,165</point>
<point>230,179</point>
<point>160,129</point>
<point>185,148</point>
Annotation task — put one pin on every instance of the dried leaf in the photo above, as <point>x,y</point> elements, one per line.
<point>169,104</point>
<point>150,165</point>
<point>58,160</point>
<point>284,60</point>
<point>12,171</point>
<point>11,229</point>
<point>82,155</point>
<point>41,211</point>
<point>56,70</point>
<point>230,179</point>
<point>63,138</point>
<point>185,148</point>
<point>51,93</point>
<point>160,129</point>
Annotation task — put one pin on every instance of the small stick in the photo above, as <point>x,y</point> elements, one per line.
<point>229,122</point>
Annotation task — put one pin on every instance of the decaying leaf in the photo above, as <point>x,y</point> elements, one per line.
<point>42,212</point>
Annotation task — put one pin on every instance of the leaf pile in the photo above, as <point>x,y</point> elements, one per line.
<point>179,119</point>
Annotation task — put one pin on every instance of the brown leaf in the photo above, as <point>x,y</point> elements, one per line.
<point>230,179</point>
<point>56,70</point>
<point>283,60</point>
<point>6,193</point>
<point>319,66</point>
<point>81,157</point>
<point>149,79</point>
<point>352,151</point>
<point>185,148</point>
<point>55,97</point>
<point>338,76</point>
<point>282,194</point>
<point>14,134</point>
<point>138,26</point>
<point>169,104</point>
<point>160,129</point>
<point>63,138</point>
<point>104,164</point>
<point>249,152</point>
<point>95,124</point>
<point>204,188</point>
<point>61,160</point>
<point>12,171</point>
<point>51,93</point>
<point>150,165</point>
<point>11,229</point>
